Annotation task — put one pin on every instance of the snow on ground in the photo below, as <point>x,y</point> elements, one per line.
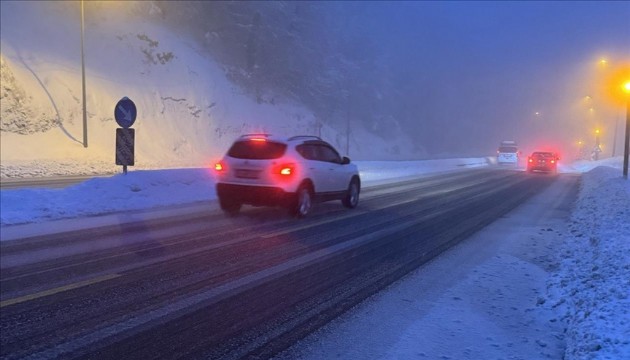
<point>592,287</point>
<point>486,298</point>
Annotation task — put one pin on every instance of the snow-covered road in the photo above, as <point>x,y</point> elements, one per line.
<point>549,280</point>
<point>480,300</point>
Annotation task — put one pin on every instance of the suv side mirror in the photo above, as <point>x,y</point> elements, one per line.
<point>345,160</point>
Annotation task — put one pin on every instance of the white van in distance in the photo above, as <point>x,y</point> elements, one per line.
<point>508,153</point>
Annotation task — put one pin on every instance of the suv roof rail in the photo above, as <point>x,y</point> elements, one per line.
<point>304,137</point>
<point>256,134</point>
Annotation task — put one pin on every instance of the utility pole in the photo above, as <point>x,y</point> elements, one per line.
<point>85,140</point>
<point>614,147</point>
<point>348,112</point>
<point>597,148</point>
<point>347,134</point>
<point>626,149</point>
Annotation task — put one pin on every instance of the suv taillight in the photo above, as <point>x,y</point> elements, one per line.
<point>219,166</point>
<point>285,170</point>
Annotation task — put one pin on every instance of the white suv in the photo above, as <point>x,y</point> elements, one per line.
<point>263,170</point>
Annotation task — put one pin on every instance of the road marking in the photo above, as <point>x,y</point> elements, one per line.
<point>418,197</point>
<point>298,228</point>
<point>58,290</point>
<point>130,325</point>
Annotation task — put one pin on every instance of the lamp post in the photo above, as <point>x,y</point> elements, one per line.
<point>85,141</point>
<point>597,148</point>
<point>626,151</point>
<point>614,146</point>
<point>580,152</point>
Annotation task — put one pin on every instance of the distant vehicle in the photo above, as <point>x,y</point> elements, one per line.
<point>508,153</point>
<point>263,170</point>
<point>543,161</point>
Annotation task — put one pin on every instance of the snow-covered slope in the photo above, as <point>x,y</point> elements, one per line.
<point>188,111</point>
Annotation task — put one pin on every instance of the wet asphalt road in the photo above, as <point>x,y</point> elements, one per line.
<point>209,286</point>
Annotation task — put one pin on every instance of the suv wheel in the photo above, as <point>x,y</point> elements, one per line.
<point>229,207</point>
<point>303,202</point>
<point>351,200</point>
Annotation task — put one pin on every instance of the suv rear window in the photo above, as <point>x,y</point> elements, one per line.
<point>257,150</point>
<point>508,149</point>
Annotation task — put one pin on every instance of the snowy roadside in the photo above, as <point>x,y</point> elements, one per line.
<point>592,286</point>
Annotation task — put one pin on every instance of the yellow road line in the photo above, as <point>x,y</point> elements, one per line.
<point>57,290</point>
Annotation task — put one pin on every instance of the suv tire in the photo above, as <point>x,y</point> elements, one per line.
<point>303,202</point>
<point>351,200</point>
<point>231,208</point>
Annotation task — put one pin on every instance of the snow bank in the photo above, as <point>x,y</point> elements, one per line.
<point>592,285</point>
<point>135,191</point>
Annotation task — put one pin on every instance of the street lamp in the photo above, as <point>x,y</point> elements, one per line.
<point>626,151</point>
<point>616,88</point>
<point>580,153</point>
<point>85,141</point>
<point>597,148</point>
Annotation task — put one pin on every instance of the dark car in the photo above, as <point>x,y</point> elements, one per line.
<point>543,161</point>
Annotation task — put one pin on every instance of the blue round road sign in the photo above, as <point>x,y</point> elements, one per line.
<point>125,112</point>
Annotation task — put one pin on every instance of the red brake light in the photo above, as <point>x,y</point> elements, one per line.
<point>219,167</point>
<point>285,170</point>
<point>553,161</point>
<point>531,160</point>
<point>258,139</point>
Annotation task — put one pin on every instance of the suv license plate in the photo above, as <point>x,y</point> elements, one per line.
<point>247,174</point>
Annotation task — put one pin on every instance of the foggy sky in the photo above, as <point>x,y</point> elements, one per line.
<point>457,76</point>
<point>478,71</point>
